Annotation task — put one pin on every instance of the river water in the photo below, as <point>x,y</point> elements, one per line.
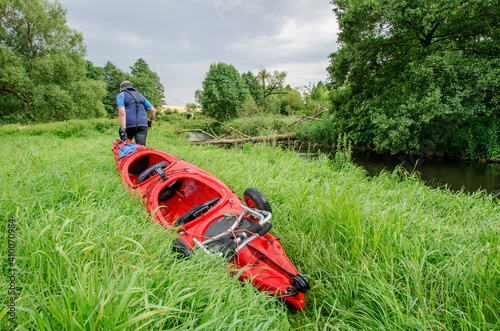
<point>457,174</point>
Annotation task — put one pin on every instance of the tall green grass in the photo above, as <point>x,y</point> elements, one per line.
<point>89,258</point>
<point>381,253</point>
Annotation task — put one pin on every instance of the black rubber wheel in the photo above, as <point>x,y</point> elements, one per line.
<point>301,283</point>
<point>151,171</point>
<point>182,248</point>
<point>254,199</point>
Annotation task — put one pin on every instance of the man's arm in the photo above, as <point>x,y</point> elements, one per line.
<point>122,117</point>
<point>152,113</point>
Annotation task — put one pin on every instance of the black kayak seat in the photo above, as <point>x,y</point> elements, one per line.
<point>196,211</point>
<point>149,172</point>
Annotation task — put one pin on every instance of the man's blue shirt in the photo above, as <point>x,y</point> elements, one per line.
<point>120,101</point>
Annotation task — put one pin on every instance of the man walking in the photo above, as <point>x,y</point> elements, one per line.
<point>132,106</point>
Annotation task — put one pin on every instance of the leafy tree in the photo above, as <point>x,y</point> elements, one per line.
<point>148,83</point>
<point>319,93</point>
<point>44,65</point>
<point>223,92</point>
<point>87,95</point>
<point>254,87</point>
<point>274,104</point>
<point>191,107</point>
<point>112,77</point>
<point>271,82</point>
<point>94,72</point>
<point>291,102</point>
<point>404,65</point>
<point>37,28</point>
<point>197,96</point>
<point>316,97</point>
<point>15,87</point>
<point>250,107</point>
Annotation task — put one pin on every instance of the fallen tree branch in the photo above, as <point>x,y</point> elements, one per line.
<point>314,117</point>
<point>311,118</point>
<point>238,132</point>
<point>231,129</point>
<point>286,136</point>
<point>217,137</point>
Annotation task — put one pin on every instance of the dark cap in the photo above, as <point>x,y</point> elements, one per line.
<point>125,84</point>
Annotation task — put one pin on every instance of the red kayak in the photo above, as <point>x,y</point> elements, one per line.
<point>211,218</point>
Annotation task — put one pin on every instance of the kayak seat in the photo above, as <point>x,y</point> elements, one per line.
<point>149,172</point>
<point>196,212</point>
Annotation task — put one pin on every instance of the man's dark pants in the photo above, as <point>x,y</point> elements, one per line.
<point>140,134</point>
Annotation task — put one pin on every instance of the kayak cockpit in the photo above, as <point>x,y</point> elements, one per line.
<point>181,200</point>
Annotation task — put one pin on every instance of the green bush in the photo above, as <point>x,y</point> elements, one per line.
<point>61,129</point>
<point>474,138</point>
<point>168,115</point>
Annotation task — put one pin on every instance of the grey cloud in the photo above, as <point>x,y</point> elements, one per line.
<point>179,39</point>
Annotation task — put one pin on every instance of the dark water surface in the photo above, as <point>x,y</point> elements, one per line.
<point>457,174</point>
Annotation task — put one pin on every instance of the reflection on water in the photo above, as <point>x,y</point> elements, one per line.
<point>436,171</point>
<point>198,136</point>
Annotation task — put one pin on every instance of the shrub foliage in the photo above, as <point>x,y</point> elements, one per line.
<point>405,66</point>
<point>43,73</point>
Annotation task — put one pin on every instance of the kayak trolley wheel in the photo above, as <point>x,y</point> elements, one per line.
<point>255,199</point>
<point>149,172</point>
<point>182,248</point>
<point>300,284</point>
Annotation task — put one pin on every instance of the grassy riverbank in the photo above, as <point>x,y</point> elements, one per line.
<point>381,253</point>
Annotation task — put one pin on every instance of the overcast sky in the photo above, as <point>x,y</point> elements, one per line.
<point>180,39</point>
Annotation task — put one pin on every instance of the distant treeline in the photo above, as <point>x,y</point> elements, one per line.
<point>44,76</point>
<point>227,94</point>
